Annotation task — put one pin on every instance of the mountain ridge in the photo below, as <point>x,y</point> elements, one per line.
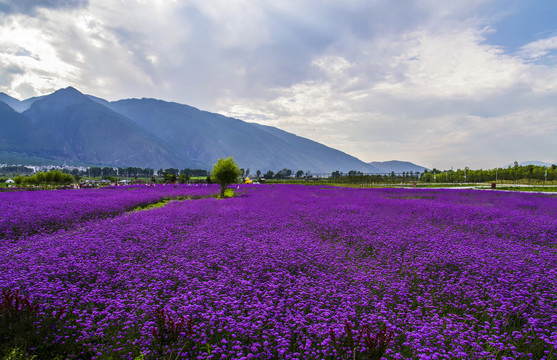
<point>68,125</point>
<point>532,162</point>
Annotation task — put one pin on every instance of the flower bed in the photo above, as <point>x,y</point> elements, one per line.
<point>298,272</point>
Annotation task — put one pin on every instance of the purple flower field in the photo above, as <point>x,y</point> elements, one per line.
<point>280,272</point>
<point>28,212</point>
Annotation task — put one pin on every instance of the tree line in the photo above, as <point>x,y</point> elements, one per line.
<point>511,173</point>
<point>55,177</point>
<point>134,172</point>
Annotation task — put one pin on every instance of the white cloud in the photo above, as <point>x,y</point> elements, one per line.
<point>380,80</point>
<point>450,64</point>
<point>422,96</point>
<point>539,48</point>
<point>26,46</point>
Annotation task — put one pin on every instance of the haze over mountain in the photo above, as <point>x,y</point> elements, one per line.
<point>398,166</point>
<point>14,134</point>
<point>67,125</point>
<point>17,105</point>
<point>537,163</point>
<point>70,126</point>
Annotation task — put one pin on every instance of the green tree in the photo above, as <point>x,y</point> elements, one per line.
<point>95,171</point>
<point>172,171</point>
<point>19,180</point>
<point>183,178</point>
<point>225,172</point>
<point>283,174</point>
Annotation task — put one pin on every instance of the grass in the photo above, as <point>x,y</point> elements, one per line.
<point>520,185</point>
<point>228,193</point>
<point>528,188</point>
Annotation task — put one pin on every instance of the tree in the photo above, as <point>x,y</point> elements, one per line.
<point>94,171</point>
<point>299,173</point>
<point>225,172</point>
<point>183,178</point>
<point>108,171</point>
<point>283,174</point>
<point>336,174</point>
<point>169,177</point>
<point>172,171</point>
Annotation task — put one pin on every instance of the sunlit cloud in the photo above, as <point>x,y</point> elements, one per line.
<point>378,80</point>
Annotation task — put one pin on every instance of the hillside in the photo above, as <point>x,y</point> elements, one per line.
<point>207,136</point>
<point>397,166</point>
<point>67,125</point>
<point>70,126</point>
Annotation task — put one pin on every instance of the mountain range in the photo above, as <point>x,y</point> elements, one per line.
<point>69,126</point>
<point>526,163</point>
<point>397,166</point>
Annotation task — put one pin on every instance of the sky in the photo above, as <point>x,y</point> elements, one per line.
<point>442,84</point>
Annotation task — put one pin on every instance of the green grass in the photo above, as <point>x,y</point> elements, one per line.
<point>529,188</point>
<point>162,202</point>
<point>228,193</point>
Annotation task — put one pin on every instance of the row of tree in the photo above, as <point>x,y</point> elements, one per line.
<point>56,177</point>
<point>512,173</point>
<point>15,170</point>
<point>134,172</point>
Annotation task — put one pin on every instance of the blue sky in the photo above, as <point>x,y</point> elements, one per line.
<point>522,22</point>
<point>439,83</point>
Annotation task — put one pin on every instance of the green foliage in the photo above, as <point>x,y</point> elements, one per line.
<point>183,178</point>
<point>18,354</point>
<point>46,178</point>
<point>225,172</point>
<point>283,174</point>
<point>26,333</point>
<point>193,172</point>
<point>532,173</point>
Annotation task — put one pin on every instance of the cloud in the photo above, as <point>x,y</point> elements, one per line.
<point>415,80</point>
<point>539,48</point>
<point>440,98</point>
<point>31,6</point>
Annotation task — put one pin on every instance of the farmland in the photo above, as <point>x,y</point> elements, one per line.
<point>278,272</point>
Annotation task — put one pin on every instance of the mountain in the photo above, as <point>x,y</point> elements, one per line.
<point>207,136</point>
<point>537,163</point>
<point>10,101</point>
<point>15,104</point>
<point>82,129</point>
<point>14,134</point>
<point>397,166</point>
<point>67,125</point>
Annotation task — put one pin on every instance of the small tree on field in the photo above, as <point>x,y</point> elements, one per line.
<point>183,178</point>
<point>225,172</point>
